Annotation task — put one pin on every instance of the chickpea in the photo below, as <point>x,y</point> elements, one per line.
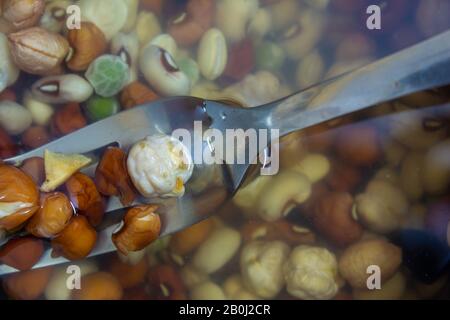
<point>356,258</point>
<point>85,197</point>
<point>111,176</point>
<point>141,226</point>
<point>52,217</point>
<point>19,197</point>
<point>76,241</point>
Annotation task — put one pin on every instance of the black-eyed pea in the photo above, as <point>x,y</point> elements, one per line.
<point>126,46</point>
<point>287,190</point>
<point>54,16</point>
<point>415,128</point>
<point>302,36</point>
<point>212,54</point>
<point>162,73</point>
<point>62,89</point>
<point>167,42</point>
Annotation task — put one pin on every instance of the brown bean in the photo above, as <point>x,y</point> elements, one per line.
<point>7,146</point>
<point>22,253</point>
<point>35,137</point>
<point>85,197</point>
<point>135,94</point>
<point>188,28</point>
<point>76,241</point>
<point>165,280</point>
<point>333,218</point>
<point>34,167</point>
<point>68,119</point>
<point>111,176</point>
<point>358,144</point>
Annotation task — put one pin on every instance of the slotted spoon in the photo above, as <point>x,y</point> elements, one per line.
<point>420,67</point>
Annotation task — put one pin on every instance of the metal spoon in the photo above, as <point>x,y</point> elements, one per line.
<point>420,67</point>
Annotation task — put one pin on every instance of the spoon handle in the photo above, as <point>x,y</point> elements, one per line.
<point>420,67</point>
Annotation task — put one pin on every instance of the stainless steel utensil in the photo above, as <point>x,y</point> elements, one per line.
<point>420,67</point>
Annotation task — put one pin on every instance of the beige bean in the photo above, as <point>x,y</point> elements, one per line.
<point>14,118</point>
<point>232,17</point>
<point>314,166</point>
<point>147,27</point>
<point>310,70</point>
<point>207,291</point>
<point>41,112</point>
<point>132,6</point>
<point>217,250</point>
<point>109,15</point>
<point>212,54</point>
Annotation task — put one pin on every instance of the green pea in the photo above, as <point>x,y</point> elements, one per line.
<point>108,74</point>
<point>269,56</point>
<point>98,108</point>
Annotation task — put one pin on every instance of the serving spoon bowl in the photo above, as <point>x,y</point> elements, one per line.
<point>420,67</point>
